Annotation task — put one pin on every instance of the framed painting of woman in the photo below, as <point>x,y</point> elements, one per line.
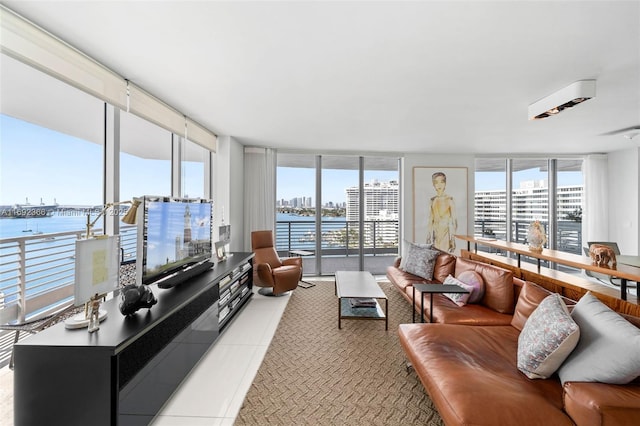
<point>439,205</point>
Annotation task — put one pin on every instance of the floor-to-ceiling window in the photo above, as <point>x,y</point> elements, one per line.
<point>570,191</point>
<point>342,210</point>
<point>382,211</point>
<point>512,192</point>
<point>51,177</point>
<point>340,235</point>
<point>295,207</point>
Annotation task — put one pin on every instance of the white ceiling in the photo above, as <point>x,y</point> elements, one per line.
<point>402,77</point>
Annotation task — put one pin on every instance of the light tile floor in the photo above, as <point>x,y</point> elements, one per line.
<point>213,392</point>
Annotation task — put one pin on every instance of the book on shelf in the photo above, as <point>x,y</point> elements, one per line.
<point>246,267</point>
<point>224,299</point>
<point>225,280</point>
<point>362,302</point>
<point>223,313</point>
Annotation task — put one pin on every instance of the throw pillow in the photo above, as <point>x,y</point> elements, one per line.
<point>406,247</point>
<point>459,299</point>
<point>421,261</point>
<point>608,348</point>
<point>547,339</point>
<point>475,280</point>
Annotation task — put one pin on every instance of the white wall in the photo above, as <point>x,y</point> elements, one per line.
<point>451,160</point>
<point>229,189</point>
<point>624,199</point>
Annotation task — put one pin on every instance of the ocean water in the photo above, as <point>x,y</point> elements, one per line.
<point>11,228</point>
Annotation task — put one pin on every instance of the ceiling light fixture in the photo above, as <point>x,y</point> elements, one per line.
<point>568,97</point>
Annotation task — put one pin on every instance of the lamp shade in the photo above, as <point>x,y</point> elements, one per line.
<point>131,216</point>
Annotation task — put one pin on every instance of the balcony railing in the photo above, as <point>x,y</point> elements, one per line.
<point>37,272</point>
<point>338,237</point>
<point>569,237</point>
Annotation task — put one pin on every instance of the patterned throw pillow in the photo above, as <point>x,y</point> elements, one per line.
<point>421,261</point>
<point>405,249</point>
<point>459,299</point>
<point>608,348</point>
<point>475,280</point>
<point>547,338</point>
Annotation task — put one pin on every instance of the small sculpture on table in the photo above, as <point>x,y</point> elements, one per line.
<point>94,313</point>
<point>601,255</point>
<point>536,236</point>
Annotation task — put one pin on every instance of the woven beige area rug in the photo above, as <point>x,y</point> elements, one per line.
<point>315,374</point>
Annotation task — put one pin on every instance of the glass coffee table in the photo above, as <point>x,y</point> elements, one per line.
<point>359,297</point>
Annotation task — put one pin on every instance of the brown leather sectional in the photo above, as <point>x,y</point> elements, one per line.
<point>467,358</point>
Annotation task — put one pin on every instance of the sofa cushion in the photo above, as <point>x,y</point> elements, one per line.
<point>473,279</point>
<point>498,284</point>
<point>608,348</point>
<point>471,376</point>
<point>459,299</point>
<point>445,266</point>
<point>602,404</point>
<point>530,297</point>
<point>420,261</point>
<point>447,312</point>
<point>547,339</point>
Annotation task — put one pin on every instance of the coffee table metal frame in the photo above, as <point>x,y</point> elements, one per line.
<point>432,288</point>
<point>357,285</point>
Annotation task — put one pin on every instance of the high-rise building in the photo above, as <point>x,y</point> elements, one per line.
<point>380,201</point>
<point>530,202</point>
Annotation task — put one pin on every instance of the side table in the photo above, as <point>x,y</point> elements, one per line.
<point>432,288</point>
<point>302,253</point>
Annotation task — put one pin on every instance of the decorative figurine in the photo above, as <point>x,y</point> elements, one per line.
<point>94,313</point>
<point>601,255</point>
<point>536,236</point>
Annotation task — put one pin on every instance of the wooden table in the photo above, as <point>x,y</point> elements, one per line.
<point>622,270</point>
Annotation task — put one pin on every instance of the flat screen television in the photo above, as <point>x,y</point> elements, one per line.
<point>174,240</point>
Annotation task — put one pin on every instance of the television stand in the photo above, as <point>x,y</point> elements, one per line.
<point>125,372</point>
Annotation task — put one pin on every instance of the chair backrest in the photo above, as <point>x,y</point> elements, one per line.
<point>262,247</point>
<point>614,246</point>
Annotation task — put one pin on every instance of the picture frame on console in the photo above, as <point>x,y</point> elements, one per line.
<point>439,205</point>
<point>221,253</point>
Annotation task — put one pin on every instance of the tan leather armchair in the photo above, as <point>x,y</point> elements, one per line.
<point>277,275</point>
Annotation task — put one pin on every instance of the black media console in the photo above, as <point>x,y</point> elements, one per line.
<point>124,373</point>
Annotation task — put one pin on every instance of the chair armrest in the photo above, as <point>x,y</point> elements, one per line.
<point>265,274</point>
<point>295,261</point>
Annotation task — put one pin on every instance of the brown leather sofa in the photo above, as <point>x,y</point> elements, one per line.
<point>495,308</point>
<point>469,367</point>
